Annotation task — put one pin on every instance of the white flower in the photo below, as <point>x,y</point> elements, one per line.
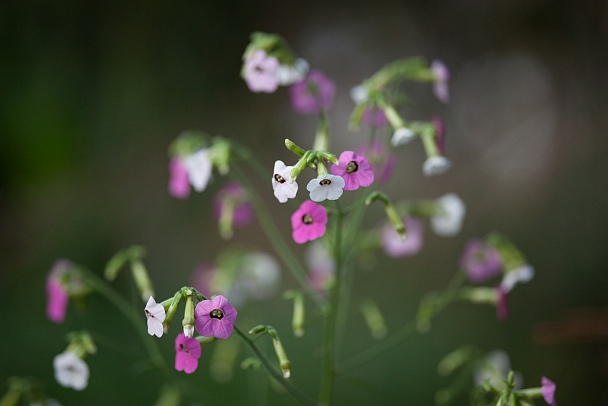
<point>290,74</point>
<point>494,369</point>
<point>436,165</point>
<point>447,220</point>
<point>71,371</point>
<point>402,136</point>
<point>521,274</point>
<point>283,190</point>
<point>358,94</point>
<point>199,168</point>
<point>325,187</point>
<point>155,313</point>
<point>260,275</point>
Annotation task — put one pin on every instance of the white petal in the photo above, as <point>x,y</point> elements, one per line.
<point>358,94</point>
<point>436,165</point>
<point>313,184</point>
<point>199,169</point>
<point>334,192</point>
<point>448,220</point>
<point>318,194</point>
<point>521,274</point>
<point>71,371</point>
<point>402,136</point>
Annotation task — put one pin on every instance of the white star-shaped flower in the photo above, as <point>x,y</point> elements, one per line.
<point>325,187</point>
<point>283,190</point>
<point>447,220</point>
<point>199,168</point>
<point>436,165</point>
<point>155,313</point>
<point>71,371</point>
<point>521,274</point>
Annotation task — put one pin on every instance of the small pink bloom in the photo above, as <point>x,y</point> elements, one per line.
<point>395,247</point>
<point>440,134</point>
<point>261,72</point>
<point>179,185</point>
<point>56,294</point>
<point>374,118</point>
<point>243,212</point>
<point>548,390</point>
<point>381,160</point>
<point>442,74</point>
<point>313,94</point>
<point>187,353</point>
<point>215,317</point>
<point>354,169</point>
<point>308,222</point>
<point>502,310</point>
<point>480,261</point>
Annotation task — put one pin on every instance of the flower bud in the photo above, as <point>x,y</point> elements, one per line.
<point>188,321</point>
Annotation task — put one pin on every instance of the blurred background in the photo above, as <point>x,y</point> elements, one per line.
<point>92,93</point>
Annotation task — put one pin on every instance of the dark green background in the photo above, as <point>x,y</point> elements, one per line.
<point>92,93</point>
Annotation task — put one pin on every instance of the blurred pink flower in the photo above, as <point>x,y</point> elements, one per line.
<point>261,72</point>
<point>480,261</point>
<point>395,247</point>
<point>548,390</point>
<point>440,134</point>
<point>308,222</point>
<point>354,169</point>
<point>187,353</point>
<point>502,310</point>
<point>440,87</point>
<point>237,195</point>
<point>179,185</point>
<point>313,94</point>
<point>57,297</point>
<point>215,317</point>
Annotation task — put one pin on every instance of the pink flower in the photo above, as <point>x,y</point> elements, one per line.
<point>480,261</point>
<point>548,390</point>
<point>179,185</point>
<point>374,118</point>
<point>56,294</point>
<point>313,94</point>
<point>440,87</point>
<point>382,162</point>
<point>440,134</point>
<point>215,317</point>
<point>234,194</point>
<point>187,353</point>
<point>395,247</point>
<point>502,310</point>
<point>354,169</point>
<point>261,72</point>
<point>308,222</point>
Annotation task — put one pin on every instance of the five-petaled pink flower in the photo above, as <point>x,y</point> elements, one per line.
<point>313,94</point>
<point>179,185</point>
<point>548,390</point>
<point>260,72</point>
<point>56,294</point>
<point>354,169</point>
<point>215,317</point>
<point>308,222</point>
<point>187,353</point>
<point>480,261</point>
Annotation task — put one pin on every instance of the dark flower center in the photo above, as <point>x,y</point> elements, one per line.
<point>279,178</point>
<point>183,348</point>
<point>216,314</point>
<point>307,219</point>
<point>325,182</point>
<point>352,167</point>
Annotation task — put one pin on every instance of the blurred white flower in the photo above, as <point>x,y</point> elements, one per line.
<point>71,371</point>
<point>449,215</point>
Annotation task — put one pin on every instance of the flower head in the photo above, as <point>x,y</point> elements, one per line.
<point>313,94</point>
<point>215,317</point>
<point>283,190</point>
<point>155,314</point>
<point>325,187</point>
<point>402,136</point>
<point>442,75</point>
<point>521,274</point>
<point>354,169</point>
<point>233,196</point>
<point>381,160</point>
<point>436,165</point>
<point>395,247</point>
<point>187,353</point>
<point>260,72</point>
<point>447,220</point>
<point>308,222</point>
<point>71,371</point>
<point>56,294</point>
<point>179,186</point>
<point>480,261</point>
<point>199,167</point>
<point>548,390</point>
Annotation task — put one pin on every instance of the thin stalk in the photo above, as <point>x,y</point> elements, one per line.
<point>446,297</point>
<point>292,390</point>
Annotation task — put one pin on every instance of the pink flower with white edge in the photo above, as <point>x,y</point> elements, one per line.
<point>328,187</point>
<point>308,222</point>
<point>71,371</point>
<point>395,247</point>
<point>548,390</point>
<point>313,94</point>
<point>155,314</point>
<point>57,297</point>
<point>261,72</point>
<point>283,190</point>
<point>187,353</point>
<point>199,167</point>
<point>215,317</point>
<point>179,185</point>
<point>442,75</point>
<point>354,169</point>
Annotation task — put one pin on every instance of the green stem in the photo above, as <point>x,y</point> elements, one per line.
<point>273,235</point>
<point>292,390</point>
<point>329,350</point>
<point>446,297</point>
